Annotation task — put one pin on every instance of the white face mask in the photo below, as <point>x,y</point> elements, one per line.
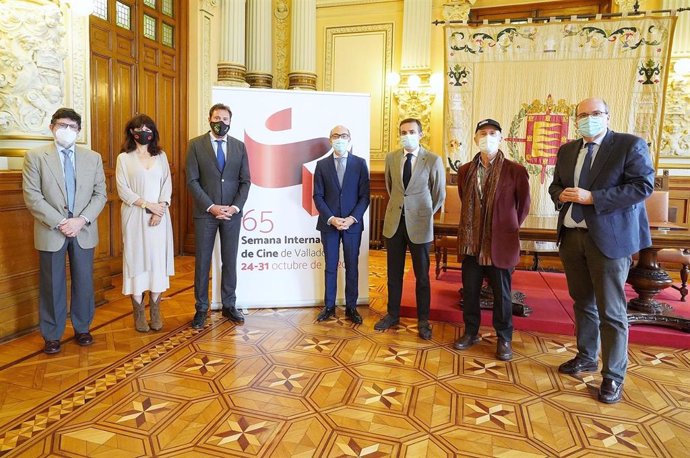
<point>65,137</point>
<point>489,144</point>
<point>340,146</point>
<point>410,142</point>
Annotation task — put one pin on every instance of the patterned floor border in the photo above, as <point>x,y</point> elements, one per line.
<point>47,417</point>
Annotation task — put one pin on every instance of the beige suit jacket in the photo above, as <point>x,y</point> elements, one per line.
<point>46,197</point>
<point>423,197</point>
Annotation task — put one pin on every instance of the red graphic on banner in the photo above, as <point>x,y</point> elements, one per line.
<point>279,166</point>
<point>281,120</point>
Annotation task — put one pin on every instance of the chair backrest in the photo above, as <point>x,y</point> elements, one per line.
<point>657,207</point>
<point>452,203</point>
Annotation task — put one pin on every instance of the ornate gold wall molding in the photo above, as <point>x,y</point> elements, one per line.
<point>378,67</point>
<point>457,10</point>
<point>281,46</point>
<point>415,100</point>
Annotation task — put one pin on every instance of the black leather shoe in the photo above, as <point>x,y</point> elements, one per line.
<point>466,341</point>
<point>232,314</point>
<point>84,338</point>
<point>199,319</point>
<point>386,322</point>
<point>611,391</point>
<point>51,347</point>
<point>504,350</point>
<point>424,330</point>
<point>353,315</point>
<point>577,365</point>
<point>326,314</point>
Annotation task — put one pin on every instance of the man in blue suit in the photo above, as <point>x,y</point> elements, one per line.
<point>341,195</point>
<point>599,187</point>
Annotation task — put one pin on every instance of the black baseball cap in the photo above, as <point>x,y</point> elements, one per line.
<point>487,122</point>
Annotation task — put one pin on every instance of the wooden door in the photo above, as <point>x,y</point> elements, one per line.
<point>138,65</point>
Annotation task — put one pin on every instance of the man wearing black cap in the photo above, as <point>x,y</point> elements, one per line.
<point>494,192</point>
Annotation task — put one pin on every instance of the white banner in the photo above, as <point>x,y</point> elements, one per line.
<point>281,261</point>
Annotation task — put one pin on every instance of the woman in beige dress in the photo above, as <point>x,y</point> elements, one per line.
<point>144,186</point>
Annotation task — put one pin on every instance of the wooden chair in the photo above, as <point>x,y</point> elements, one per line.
<point>658,214</point>
<point>443,243</point>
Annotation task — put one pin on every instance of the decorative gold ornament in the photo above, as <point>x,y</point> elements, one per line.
<point>415,96</point>
<point>457,10</point>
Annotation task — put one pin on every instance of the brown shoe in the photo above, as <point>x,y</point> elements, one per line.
<point>139,314</point>
<point>51,347</point>
<point>84,338</point>
<point>504,350</point>
<point>155,311</point>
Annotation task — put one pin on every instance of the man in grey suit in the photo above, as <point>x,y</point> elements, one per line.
<point>218,180</point>
<point>599,187</point>
<point>64,189</point>
<point>416,184</point>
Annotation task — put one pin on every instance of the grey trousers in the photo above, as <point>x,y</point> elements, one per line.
<point>52,302</point>
<point>596,284</point>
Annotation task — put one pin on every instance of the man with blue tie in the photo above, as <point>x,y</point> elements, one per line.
<point>341,195</point>
<point>64,189</point>
<point>599,186</point>
<point>218,180</point>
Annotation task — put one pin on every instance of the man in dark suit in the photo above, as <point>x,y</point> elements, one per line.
<point>218,180</point>
<point>494,192</point>
<point>64,189</point>
<point>416,184</point>
<point>599,187</point>
<point>341,195</point>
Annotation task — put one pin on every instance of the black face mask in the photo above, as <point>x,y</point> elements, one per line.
<point>219,128</point>
<point>142,137</point>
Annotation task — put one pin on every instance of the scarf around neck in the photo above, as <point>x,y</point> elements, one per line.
<point>474,233</point>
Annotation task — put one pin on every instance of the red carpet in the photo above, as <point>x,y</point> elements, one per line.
<point>552,307</point>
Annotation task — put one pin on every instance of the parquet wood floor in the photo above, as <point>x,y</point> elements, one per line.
<point>282,385</point>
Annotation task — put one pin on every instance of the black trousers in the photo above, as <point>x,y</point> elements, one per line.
<point>396,248</point>
<point>500,281</point>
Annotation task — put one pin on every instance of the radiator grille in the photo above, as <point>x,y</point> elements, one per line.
<point>376,214</point>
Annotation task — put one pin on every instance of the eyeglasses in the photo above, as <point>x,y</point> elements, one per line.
<point>63,125</point>
<point>337,136</point>
<point>594,114</point>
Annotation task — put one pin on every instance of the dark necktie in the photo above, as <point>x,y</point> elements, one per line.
<point>70,180</point>
<point>340,169</point>
<point>407,170</point>
<point>577,213</point>
<point>220,157</point>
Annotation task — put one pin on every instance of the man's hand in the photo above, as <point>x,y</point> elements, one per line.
<point>71,226</point>
<point>345,223</point>
<point>155,220</point>
<point>576,195</point>
<point>222,211</point>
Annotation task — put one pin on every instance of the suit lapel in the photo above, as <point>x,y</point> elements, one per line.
<point>55,167</point>
<point>570,160</point>
<point>331,172</point>
<point>396,169</point>
<point>602,157</point>
<point>419,165</point>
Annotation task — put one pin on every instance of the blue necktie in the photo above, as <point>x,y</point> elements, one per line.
<point>407,170</point>
<point>340,169</point>
<point>577,213</point>
<point>70,180</point>
<point>220,157</point>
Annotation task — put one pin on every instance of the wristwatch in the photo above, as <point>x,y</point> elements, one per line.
<point>143,205</point>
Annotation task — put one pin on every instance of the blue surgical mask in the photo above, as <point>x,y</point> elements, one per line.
<point>591,126</point>
<point>410,142</point>
<point>340,146</point>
